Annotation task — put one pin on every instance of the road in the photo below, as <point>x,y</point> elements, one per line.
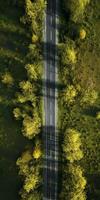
<point>50,103</point>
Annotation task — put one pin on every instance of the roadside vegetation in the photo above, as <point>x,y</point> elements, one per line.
<point>21,66</point>
<point>28,103</point>
<point>79,99</point>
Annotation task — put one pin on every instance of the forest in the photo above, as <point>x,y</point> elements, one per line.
<point>21,102</point>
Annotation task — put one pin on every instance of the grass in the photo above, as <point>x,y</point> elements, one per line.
<point>13,48</point>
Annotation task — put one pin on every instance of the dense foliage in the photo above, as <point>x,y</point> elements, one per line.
<point>28,101</point>
<point>79,100</point>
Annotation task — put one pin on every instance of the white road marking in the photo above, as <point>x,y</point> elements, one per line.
<point>51,35</point>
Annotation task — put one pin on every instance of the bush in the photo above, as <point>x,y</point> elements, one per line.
<point>98,115</point>
<point>82,34</point>
<point>17,113</point>
<point>7,79</point>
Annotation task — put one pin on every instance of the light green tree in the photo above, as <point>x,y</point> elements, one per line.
<point>90,97</point>
<point>68,53</point>
<point>31,181</point>
<point>7,79</point>
<point>31,125</point>
<point>76,8</point>
<point>77,183</point>
<point>22,163</point>
<point>34,71</point>
<point>82,33</point>
<point>69,94</point>
<point>72,145</point>
<point>98,115</point>
<point>17,113</point>
<point>37,152</point>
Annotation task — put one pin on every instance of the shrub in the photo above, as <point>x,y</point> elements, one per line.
<point>37,152</point>
<point>98,115</point>
<point>7,79</point>
<point>34,38</point>
<point>17,113</point>
<point>82,34</point>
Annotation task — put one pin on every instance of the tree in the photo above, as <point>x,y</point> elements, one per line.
<point>90,96</point>
<point>31,125</point>
<point>74,183</point>
<point>34,14</point>
<point>77,183</point>
<point>23,161</point>
<point>26,86</point>
<point>69,94</point>
<point>71,145</point>
<point>68,53</point>
<point>33,71</point>
<point>7,79</point>
<point>33,195</point>
<point>30,173</point>
<point>31,181</point>
<point>76,8</point>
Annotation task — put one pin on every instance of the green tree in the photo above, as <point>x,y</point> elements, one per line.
<point>68,53</point>
<point>98,115</point>
<point>30,173</point>
<point>17,113</point>
<point>76,8</point>
<point>37,152</point>
<point>72,145</point>
<point>31,125</point>
<point>31,181</point>
<point>34,71</point>
<point>23,161</point>
<point>74,183</point>
<point>7,79</point>
<point>77,183</point>
<point>69,94</point>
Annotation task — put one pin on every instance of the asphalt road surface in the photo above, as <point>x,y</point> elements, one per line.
<point>50,103</point>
